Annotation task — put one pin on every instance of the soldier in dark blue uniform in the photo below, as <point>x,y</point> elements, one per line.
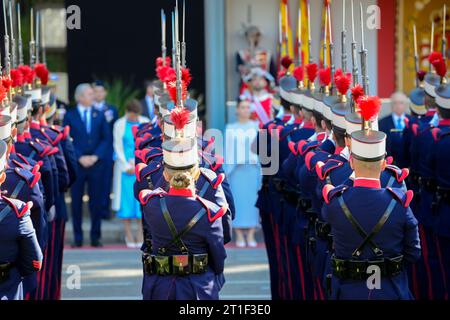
<point>439,160</point>
<point>425,211</point>
<point>187,253</point>
<point>20,254</point>
<point>373,228</point>
<point>60,138</point>
<point>22,183</point>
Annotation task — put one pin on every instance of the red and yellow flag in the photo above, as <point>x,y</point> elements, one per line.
<point>325,30</point>
<point>286,40</point>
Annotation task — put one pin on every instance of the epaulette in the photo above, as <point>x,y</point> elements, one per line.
<point>214,161</point>
<point>214,180</point>
<point>312,158</point>
<point>321,136</point>
<point>64,131</point>
<point>323,169</point>
<point>403,197</point>
<point>41,149</point>
<point>275,129</point>
<point>30,178</point>
<point>53,136</point>
<point>286,132</point>
<point>143,171</point>
<point>304,146</point>
<point>146,195</point>
<point>28,161</point>
<point>406,121</point>
<point>19,207</point>
<point>214,211</point>
<point>438,134</point>
<point>400,174</point>
<point>141,141</point>
<point>147,154</point>
<point>329,192</point>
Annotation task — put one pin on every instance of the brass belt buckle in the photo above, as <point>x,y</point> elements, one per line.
<point>180,265</point>
<point>199,263</point>
<point>162,265</point>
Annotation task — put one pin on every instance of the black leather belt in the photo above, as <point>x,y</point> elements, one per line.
<point>357,269</point>
<point>428,184</point>
<point>5,269</point>
<point>175,265</point>
<point>443,195</point>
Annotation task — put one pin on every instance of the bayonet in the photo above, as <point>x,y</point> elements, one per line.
<point>19,31</point>
<point>343,40</point>
<point>38,36</point>
<point>416,55</point>
<point>364,74</point>
<point>6,41</point>
<point>183,43</point>
<point>32,42</point>
<point>355,71</point>
<point>163,36</point>
<point>333,68</point>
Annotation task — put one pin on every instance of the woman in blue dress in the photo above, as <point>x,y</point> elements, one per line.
<point>244,174</point>
<point>126,206</point>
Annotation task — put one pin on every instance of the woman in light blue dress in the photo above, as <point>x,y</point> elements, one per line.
<point>128,209</point>
<point>244,174</point>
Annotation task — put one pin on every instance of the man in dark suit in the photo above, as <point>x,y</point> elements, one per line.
<point>91,138</point>
<point>393,125</point>
<point>148,102</point>
<point>111,115</point>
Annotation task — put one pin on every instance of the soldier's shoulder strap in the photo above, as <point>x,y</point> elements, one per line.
<point>305,146</point>
<point>213,210</point>
<point>30,177</point>
<point>146,195</point>
<point>399,174</point>
<point>439,134</point>
<point>215,180</point>
<point>20,208</point>
<point>329,192</point>
<point>53,136</point>
<point>40,148</point>
<point>324,169</point>
<point>404,197</point>
<point>142,171</point>
<point>313,157</point>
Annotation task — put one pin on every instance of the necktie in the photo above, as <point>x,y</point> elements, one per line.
<point>399,123</point>
<point>86,121</point>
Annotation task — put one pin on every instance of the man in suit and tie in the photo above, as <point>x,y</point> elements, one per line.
<point>148,103</point>
<point>393,125</point>
<point>91,138</point>
<point>111,115</point>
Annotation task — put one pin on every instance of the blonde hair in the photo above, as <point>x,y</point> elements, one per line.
<point>182,179</point>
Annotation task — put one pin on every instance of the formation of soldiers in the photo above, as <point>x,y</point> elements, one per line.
<point>38,166</point>
<point>340,221</point>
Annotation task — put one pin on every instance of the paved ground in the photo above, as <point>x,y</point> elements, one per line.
<point>114,273</point>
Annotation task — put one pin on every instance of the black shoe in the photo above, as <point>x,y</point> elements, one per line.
<point>77,244</point>
<point>96,244</point>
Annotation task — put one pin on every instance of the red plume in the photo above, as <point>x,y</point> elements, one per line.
<point>6,83</point>
<point>440,66</point>
<point>369,107</point>
<point>434,56</point>
<point>299,73</point>
<point>16,77</point>
<point>28,74</point>
<point>3,93</point>
<point>159,61</point>
<point>337,73</point>
<point>421,75</point>
<point>325,76</point>
<point>42,73</point>
<point>170,75</point>
<point>172,90</point>
<point>286,62</point>
<point>186,76</point>
<point>357,92</point>
<point>179,117</point>
<point>343,83</point>
<point>311,70</point>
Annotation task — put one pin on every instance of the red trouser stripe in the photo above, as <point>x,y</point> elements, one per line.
<point>426,262</point>
<point>302,275</point>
